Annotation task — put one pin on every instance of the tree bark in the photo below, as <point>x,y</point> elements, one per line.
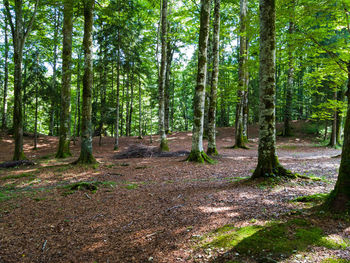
<point>162,78</point>
<point>214,83</point>
<point>86,156</point>
<point>339,199</point>
<point>197,154</point>
<point>20,33</point>
<point>243,77</point>
<point>140,110</point>
<point>268,164</point>
<point>63,145</point>
<point>6,78</point>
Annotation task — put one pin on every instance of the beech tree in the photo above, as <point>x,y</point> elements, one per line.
<point>197,154</point>
<point>6,78</point>
<point>243,78</point>
<point>20,30</point>
<point>268,164</point>
<point>63,146</point>
<point>162,79</point>
<point>86,156</point>
<point>214,83</point>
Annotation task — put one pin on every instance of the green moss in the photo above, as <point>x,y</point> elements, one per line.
<point>17,176</point>
<point>274,238</point>
<point>164,147</point>
<point>86,186</point>
<point>131,186</point>
<point>212,151</point>
<point>335,260</point>
<point>199,157</point>
<point>311,198</point>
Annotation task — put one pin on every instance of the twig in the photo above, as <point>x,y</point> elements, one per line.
<point>87,196</point>
<point>174,207</point>
<point>44,245</point>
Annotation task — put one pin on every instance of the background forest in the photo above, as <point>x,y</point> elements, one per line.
<point>311,65</point>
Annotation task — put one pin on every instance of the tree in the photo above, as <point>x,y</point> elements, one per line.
<point>162,78</point>
<point>63,146</point>
<point>86,156</point>
<point>20,32</point>
<point>243,77</point>
<point>6,78</point>
<point>268,164</point>
<point>197,154</point>
<point>214,83</point>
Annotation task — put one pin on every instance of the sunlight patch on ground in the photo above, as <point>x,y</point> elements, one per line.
<point>207,209</point>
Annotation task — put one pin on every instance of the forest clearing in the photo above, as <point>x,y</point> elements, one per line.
<point>175,131</point>
<point>165,209</point>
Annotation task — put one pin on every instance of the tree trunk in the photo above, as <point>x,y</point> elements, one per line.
<point>36,119</point>
<point>86,156</point>
<point>333,139</point>
<point>20,33</point>
<point>162,78</point>
<point>214,83</point>
<point>140,111</point>
<point>127,103</point>
<point>76,129</point>
<point>242,76</point>
<point>63,145</point>
<point>6,78</point>
<point>268,164</point>
<point>340,197</point>
<point>287,130</point>
<point>116,135</point>
<point>197,154</point>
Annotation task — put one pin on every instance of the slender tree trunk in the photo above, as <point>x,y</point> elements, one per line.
<point>131,103</point>
<point>287,130</point>
<point>127,103</point>
<point>167,86</point>
<point>140,110</point>
<point>86,131</point>
<point>333,139</point>
<point>54,74</point>
<point>116,136</point>
<point>36,120</point>
<point>162,79</point>
<point>268,164</point>
<point>197,154</point>
<point>20,31</point>
<point>214,83</point>
<point>6,78</point>
<point>243,76</point>
<point>122,108</point>
<point>340,197</point>
<point>63,145</point>
<point>77,106</point>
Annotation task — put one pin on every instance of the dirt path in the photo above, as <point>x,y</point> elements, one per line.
<point>150,209</point>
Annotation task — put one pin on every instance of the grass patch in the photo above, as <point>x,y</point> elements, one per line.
<point>131,186</point>
<point>273,239</point>
<point>288,147</point>
<point>316,198</point>
<point>86,186</point>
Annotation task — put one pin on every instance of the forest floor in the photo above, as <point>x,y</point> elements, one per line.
<point>167,210</point>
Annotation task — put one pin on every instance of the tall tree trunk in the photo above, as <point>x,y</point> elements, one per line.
<point>140,110</point>
<point>214,83</point>
<point>197,154</point>
<point>340,197</point>
<point>86,129</point>
<point>116,135</point>
<point>268,164</point>
<point>20,31</point>
<point>131,103</point>
<point>243,76</point>
<point>287,130</point>
<point>54,74</point>
<point>162,79</point>
<point>76,129</point>
<point>36,119</point>
<point>127,103</point>
<point>6,78</point>
<point>63,145</point>
<point>122,108</point>
<point>333,139</point>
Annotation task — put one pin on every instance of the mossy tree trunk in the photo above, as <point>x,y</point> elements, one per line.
<point>86,156</point>
<point>20,32</point>
<point>268,164</point>
<point>63,145</point>
<point>6,78</point>
<point>197,154</point>
<point>243,76</point>
<point>162,78</point>
<point>212,150</point>
<point>340,197</point>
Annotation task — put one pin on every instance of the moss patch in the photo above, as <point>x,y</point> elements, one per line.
<point>335,260</point>
<point>17,176</point>
<point>273,239</point>
<point>316,198</point>
<point>86,186</point>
